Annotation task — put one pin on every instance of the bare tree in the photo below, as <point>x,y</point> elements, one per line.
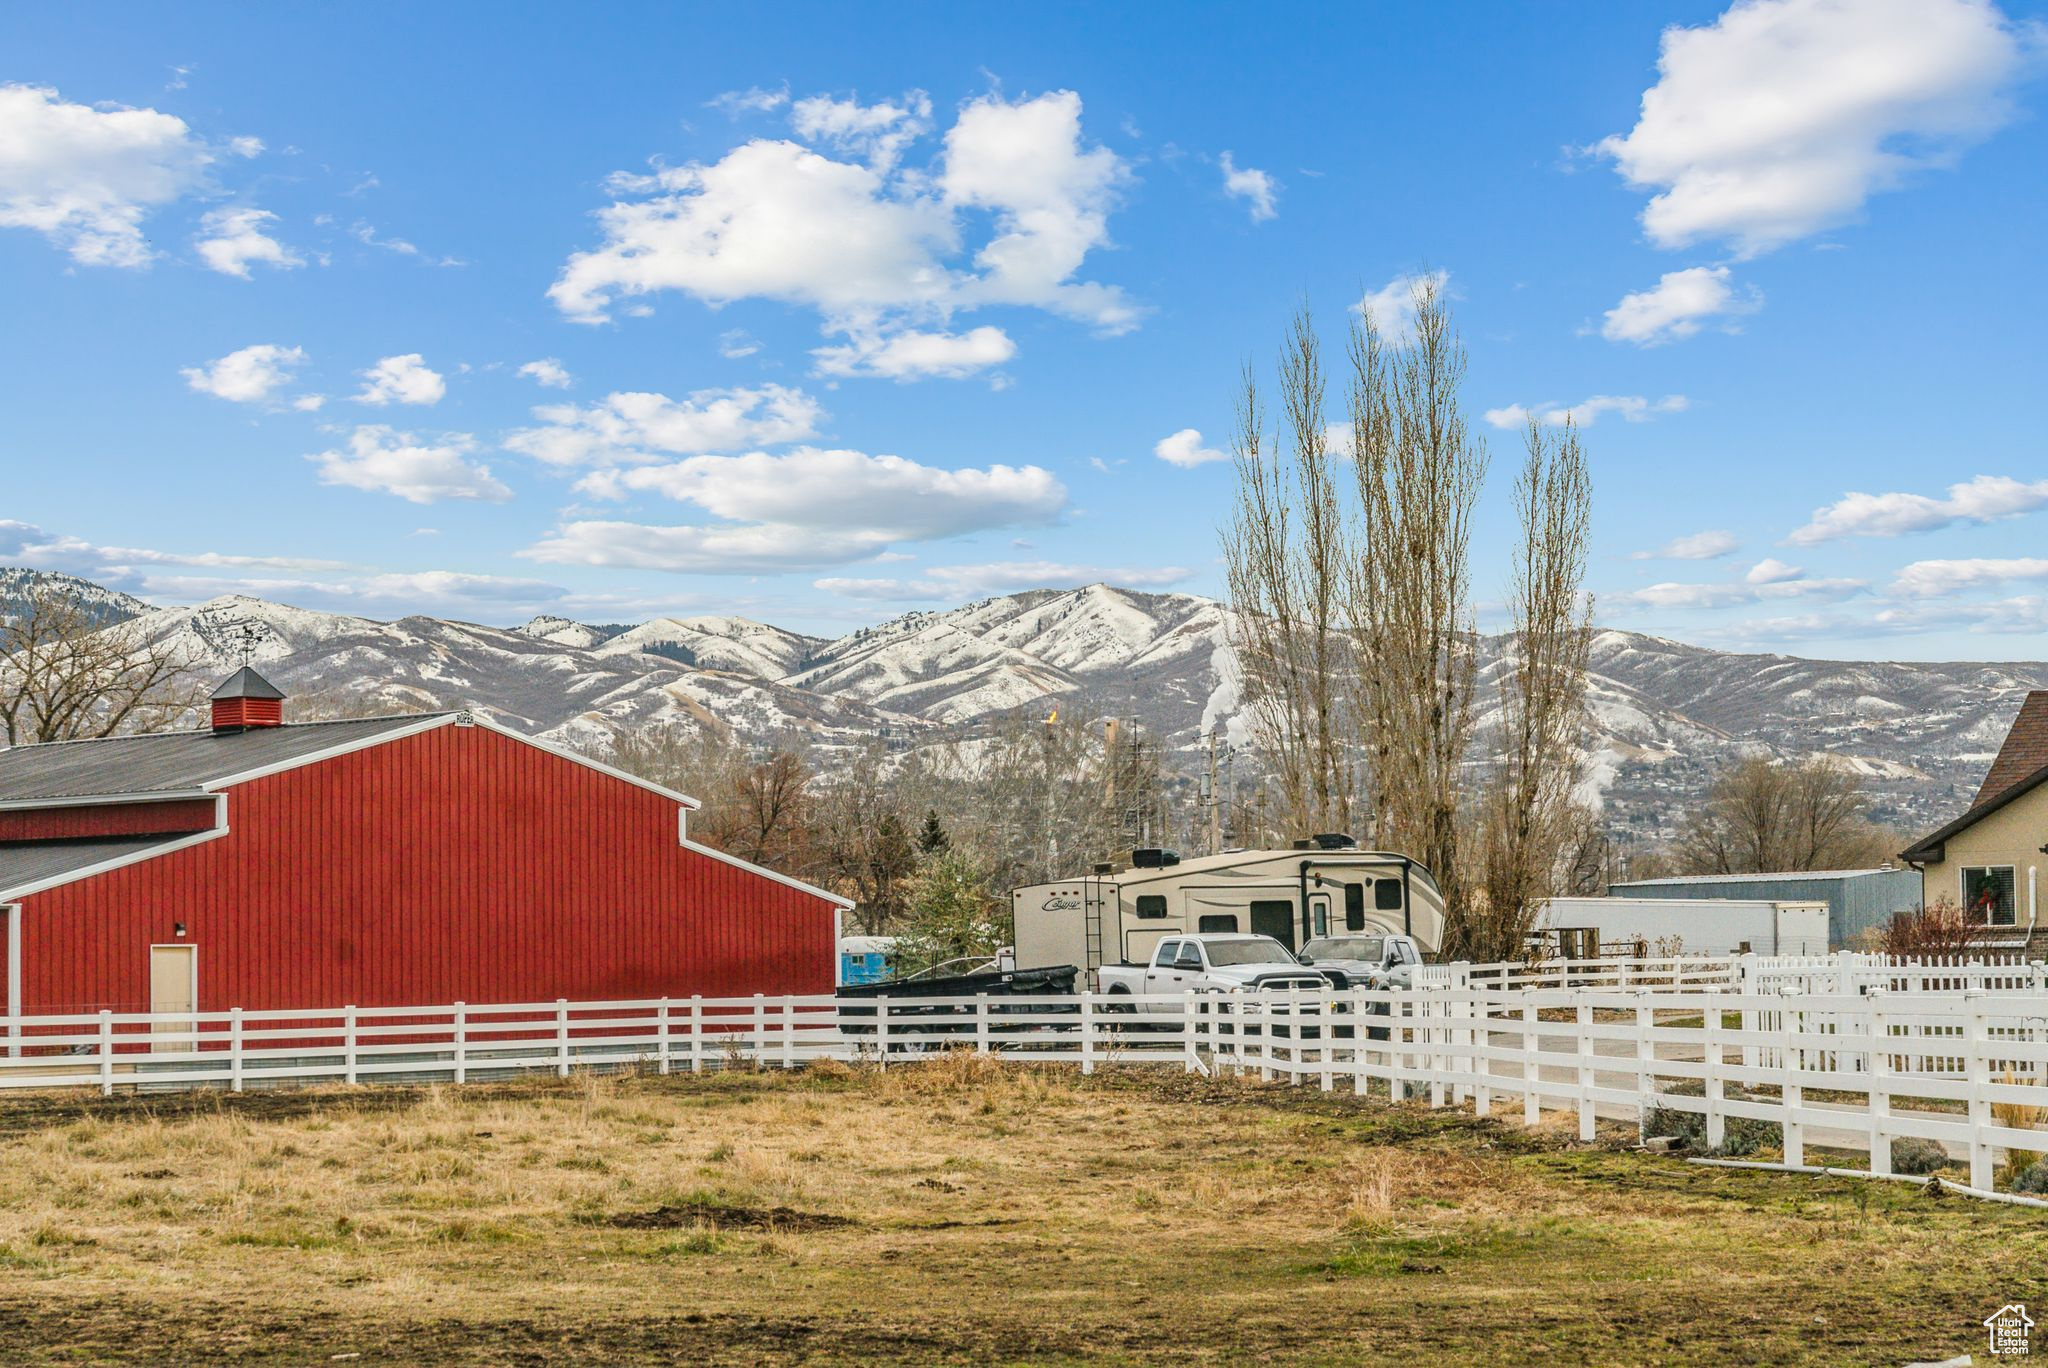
<point>66,674</point>
<point>1527,819</point>
<point>866,845</point>
<point>1419,473</point>
<point>1762,817</point>
<point>1285,554</point>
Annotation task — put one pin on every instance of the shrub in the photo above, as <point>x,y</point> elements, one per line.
<point>1937,932</point>
<point>1741,1136</point>
<point>2032,1180</point>
<point>1916,1157</point>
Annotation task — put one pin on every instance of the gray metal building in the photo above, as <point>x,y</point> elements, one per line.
<point>1858,899</point>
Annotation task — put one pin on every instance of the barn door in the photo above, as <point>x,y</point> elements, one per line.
<point>173,988</point>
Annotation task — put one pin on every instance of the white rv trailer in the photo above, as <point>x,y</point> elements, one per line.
<point>1117,916</point>
<point>1587,928</point>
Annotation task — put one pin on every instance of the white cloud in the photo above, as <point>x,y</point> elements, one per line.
<point>401,380</point>
<point>753,100</point>
<point>1767,581</point>
<point>877,132</point>
<point>230,239</point>
<point>1633,408</point>
<point>1696,546</point>
<point>948,582</point>
<point>1985,499</point>
<point>548,373</point>
<point>888,498</point>
<point>1933,578</point>
<point>1770,570</point>
<point>86,177</point>
<point>309,403</point>
<point>1783,116</point>
<point>246,146</point>
<point>252,375</point>
<point>915,355</point>
<point>388,462</point>
<point>873,248</point>
<point>806,509</point>
<point>1392,307</point>
<point>636,428</point>
<point>737,343</point>
<point>1185,449</point>
<point>1679,305</point>
<point>28,544</point>
<point>1255,187</point>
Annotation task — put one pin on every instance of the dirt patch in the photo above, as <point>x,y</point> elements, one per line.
<point>692,1214</point>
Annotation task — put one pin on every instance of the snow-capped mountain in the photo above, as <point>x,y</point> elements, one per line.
<point>541,682</point>
<point>1666,715</point>
<point>107,605</point>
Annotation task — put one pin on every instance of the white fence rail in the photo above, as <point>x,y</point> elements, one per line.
<point>1842,1067</point>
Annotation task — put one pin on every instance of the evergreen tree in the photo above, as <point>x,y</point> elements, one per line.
<point>933,838</point>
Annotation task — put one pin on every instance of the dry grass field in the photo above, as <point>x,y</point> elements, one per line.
<point>952,1211</point>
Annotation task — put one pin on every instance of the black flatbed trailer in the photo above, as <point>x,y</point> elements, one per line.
<point>910,1010</point>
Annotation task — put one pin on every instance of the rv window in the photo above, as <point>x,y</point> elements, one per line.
<point>1386,895</point>
<point>1987,895</point>
<point>1151,905</point>
<point>1354,907</point>
<point>1322,918</point>
<point>1217,923</point>
<point>1274,918</point>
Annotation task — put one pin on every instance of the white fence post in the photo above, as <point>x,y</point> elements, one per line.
<point>1191,1055</point>
<point>561,1037</point>
<point>696,1033</point>
<point>981,1036</point>
<point>1879,1100</point>
<point>1712,1088</point>
<point>788,1033</point>
<point>1791,1094</point>
<point>348,1044</point>
<point>1584,1017</point>
<point>661,1028</point>
<point>1087,1033</point>
<point>882,1031</point>
<point>1646,1060</point>
<point>1977,1069</point>
<point>760,1030</point>
<point>1532,1067</point>
<point>461,1042</point>
<point>235,1049</point>
<point>106,1054</point>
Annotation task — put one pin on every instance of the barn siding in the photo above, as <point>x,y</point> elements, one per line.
<point>105,819</point>
<point>455,864</point>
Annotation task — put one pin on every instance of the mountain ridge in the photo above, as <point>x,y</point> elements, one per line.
<point>1666,714</point>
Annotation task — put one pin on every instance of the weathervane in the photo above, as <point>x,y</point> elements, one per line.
<point>233,635</point>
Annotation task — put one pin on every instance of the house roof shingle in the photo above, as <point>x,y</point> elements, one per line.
<point>2021,767</point>
<point>175,762</point>
<point>2024,752</point>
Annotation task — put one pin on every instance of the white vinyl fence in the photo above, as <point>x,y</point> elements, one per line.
<point>1842,1062</point>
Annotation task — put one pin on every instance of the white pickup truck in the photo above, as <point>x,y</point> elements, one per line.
<point>1209,964</point>
<point>1366,960</point>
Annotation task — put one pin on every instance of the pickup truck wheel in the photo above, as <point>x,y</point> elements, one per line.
<point>1114,1006</point>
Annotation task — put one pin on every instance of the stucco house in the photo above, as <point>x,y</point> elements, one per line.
<point>1988,861</point>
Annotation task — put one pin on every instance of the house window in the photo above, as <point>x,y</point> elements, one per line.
<point>1987,895</point>
<point>1354,907</point>
<point>1151,906</point>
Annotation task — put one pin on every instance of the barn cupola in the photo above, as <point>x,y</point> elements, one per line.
<point>247,700</point>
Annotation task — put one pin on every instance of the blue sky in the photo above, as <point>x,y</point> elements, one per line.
<point>818,314</point>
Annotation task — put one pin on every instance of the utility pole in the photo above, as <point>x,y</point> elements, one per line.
<point>1215,809</point>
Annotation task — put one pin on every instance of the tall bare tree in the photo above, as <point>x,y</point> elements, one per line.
<point>1419,472</point>
<point>1765,817</point>
<point>1529,823</point>
<point>1286,555</point>
<point>65,673</point>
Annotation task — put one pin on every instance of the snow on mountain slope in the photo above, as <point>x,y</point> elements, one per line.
<point>106,605</point>
<point>738,644</point>
<point>331,662</point>
<point>567,632</point>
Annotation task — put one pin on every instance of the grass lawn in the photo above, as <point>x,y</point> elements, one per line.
<point>958,1210</point>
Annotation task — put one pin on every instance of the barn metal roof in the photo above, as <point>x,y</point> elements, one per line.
<point>29,863</point>
<point>177,762</point>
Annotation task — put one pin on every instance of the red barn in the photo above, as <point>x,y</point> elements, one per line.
<point>390,862</point>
